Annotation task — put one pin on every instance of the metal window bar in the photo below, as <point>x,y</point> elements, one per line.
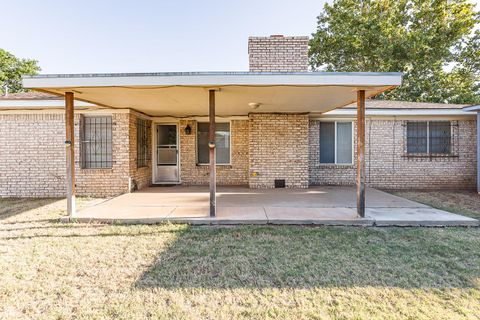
<point>96,143</point>
<point>143,128</point>
<point>431,138</point>
<point>440,137</point>
<point>417,137</point>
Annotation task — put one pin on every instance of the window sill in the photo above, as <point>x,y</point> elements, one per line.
<point>206,165</point>
<point>96,169</point>
<point>335,165</point>
<point>429,155</point>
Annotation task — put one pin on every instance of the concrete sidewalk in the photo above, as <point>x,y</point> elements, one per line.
<point>241,205</point>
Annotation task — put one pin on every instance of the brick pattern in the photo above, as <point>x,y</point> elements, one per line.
<point>32,158</point>
<point>32,155</point>
<point>278,150</point>
<point>274,146</point>
<point>141,177</point>
<point>278,54</point>
<point>234,174</point>
<point>106,182</point>
<point>386,166</point>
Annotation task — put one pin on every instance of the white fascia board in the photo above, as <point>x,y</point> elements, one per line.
<point>41,103</point>
<point>396,112</point>
<point>360,79</point>
<point>472,108</point>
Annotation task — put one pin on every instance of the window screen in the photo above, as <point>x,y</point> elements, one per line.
<point>96,142</point>
<point>417,137</point>
<point>143,128</point>
<point>222,142</point>
<point>327,142</point>
<point>336,142</point>
<point>440,136</point>
<point>429,137</point>
<point>344,142</point>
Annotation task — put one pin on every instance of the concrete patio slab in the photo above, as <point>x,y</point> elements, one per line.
<point>225,215</point>
<point>427,217</point>
<point>309,215</point>
<point>241,205</point>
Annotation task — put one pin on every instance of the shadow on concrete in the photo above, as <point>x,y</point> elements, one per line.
<point>306,257</point>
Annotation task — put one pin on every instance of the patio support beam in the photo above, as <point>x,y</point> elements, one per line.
<point>361,153</point>
<point>70,152</point>
<point>212,153</point>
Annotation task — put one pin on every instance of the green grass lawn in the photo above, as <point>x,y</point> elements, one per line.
<point>51,270</point>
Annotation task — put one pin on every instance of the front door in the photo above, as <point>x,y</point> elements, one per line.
<point>166,168</point>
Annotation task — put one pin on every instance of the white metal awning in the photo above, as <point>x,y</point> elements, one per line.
<point>186,94</point>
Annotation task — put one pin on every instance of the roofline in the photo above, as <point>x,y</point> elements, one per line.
<point>39,103</point>
<point>472,108</point>
<point>400,112</point>
<point>60,104</point>
<point>214,79</point>
<point>204,73</point>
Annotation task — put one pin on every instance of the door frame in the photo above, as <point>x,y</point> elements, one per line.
<point>154,152</point>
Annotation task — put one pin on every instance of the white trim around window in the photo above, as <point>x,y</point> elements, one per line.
<point>229,143</point>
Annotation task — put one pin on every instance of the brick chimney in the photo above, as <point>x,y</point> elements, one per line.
<point>278,53</point>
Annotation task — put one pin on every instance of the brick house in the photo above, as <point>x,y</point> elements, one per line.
<point>277,125</point>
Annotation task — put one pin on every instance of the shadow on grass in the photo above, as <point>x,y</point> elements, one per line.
<point>105,234</point>
<point>302,257</point>
<point>10,207</point>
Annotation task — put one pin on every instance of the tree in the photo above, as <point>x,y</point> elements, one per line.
<point>12,69</point>
<point>431,41</point>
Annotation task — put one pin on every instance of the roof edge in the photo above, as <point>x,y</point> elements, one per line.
<point>472,108</point>
<point>206,73</point>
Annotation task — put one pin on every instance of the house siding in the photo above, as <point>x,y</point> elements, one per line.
<point>278,150</point>
<point>387,167</point>
<point>236,173</point>
<point>32,155</point>
<point>263,148</point>
<point>141,177</point>
<point>112,181</point>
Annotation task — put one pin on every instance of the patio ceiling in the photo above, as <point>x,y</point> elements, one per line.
<point>186,94</point>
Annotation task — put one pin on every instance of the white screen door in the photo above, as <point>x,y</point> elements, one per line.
<point>167,154</point>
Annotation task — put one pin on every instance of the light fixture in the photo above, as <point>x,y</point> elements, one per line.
<point>254,105</point>
<point>188,130</point>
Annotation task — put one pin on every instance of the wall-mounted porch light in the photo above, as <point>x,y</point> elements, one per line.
<point>254,105</point>
<point>188,130</point>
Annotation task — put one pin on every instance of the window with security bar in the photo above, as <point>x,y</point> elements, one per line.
<point>96,142</point>
<point>143,128</point>
<point>429,137</point>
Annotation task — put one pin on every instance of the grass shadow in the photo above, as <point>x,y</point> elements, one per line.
<point>10,207</point>
<point>304,257</point>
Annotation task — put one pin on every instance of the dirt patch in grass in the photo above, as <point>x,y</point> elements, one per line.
<point>462,202</point>
<point>96,271</point>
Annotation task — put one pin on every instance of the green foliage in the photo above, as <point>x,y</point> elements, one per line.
<point>431,41</point>
<point>12,69</point>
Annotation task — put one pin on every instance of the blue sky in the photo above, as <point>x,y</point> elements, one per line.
<point>141,36</point>
<point>144,35</point>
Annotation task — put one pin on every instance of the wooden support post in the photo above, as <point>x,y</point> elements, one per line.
<point>70,152</point>
<point>211,144</point>
<point>361,153</point>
